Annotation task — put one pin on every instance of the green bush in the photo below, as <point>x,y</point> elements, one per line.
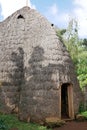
<point>84,114</point>
<point>81,107</point>
<point>9,122</point>
<point>3,125</point>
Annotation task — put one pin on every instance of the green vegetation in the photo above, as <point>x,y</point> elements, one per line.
<point>81,107</point>
<point>77,48</point>
<point>84,114</point>
<point>9,121</point>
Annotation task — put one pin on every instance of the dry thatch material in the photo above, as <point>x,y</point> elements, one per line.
<point>34,65</point>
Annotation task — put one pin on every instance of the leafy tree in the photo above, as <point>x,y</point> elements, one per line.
<point>82,63</point>
<point>84,43</point>
<point>71,39</point>
<point>60,33</point>
<point>77,48</point>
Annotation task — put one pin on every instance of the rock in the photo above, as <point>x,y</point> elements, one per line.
<point>80,117</point>
<point>52,122</point>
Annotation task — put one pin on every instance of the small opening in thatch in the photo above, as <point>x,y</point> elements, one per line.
<point>52,24</point>
<point>20,17</point>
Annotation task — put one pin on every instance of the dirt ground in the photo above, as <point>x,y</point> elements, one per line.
<point>73,126</point>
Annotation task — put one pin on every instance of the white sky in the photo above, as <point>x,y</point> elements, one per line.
<point>10,6</point>
<point>79,12</point>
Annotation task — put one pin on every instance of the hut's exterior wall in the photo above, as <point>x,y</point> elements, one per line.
<point>33,64</point>
<point>85,97</point>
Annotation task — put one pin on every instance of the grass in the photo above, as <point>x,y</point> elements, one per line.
<point>11,121</point>
<point>84,114</point>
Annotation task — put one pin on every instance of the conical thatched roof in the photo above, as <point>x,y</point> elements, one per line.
<point>33,65</point>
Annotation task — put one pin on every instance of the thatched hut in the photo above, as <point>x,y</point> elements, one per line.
<point>36,72</point>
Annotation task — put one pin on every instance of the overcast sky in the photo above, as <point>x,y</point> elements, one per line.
<point>58,12</point>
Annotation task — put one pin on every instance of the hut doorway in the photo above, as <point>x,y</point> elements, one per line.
<point>67,110</point>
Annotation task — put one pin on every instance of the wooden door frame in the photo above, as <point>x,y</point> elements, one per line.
<point>70,101</point>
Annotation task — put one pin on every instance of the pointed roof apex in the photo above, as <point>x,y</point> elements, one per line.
<point>26,2</point>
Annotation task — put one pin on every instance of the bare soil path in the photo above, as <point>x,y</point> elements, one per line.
<point>73,126</point>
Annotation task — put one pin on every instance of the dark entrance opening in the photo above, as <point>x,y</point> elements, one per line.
<point>64,100</point>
